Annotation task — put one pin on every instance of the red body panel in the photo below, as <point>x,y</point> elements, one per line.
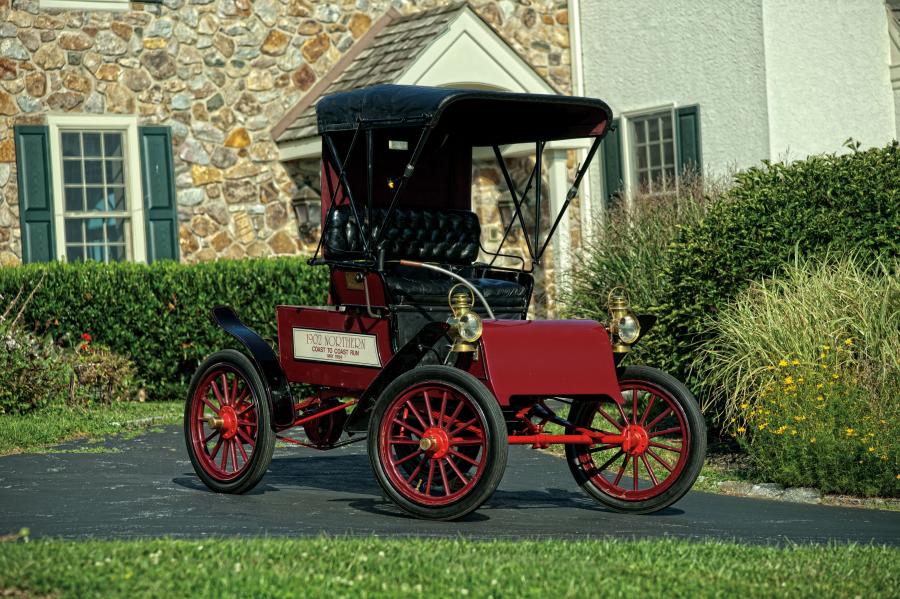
<point>545,358</point>
<point>333,368</point>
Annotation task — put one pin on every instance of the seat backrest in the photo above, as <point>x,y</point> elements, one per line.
<point>423,234</point>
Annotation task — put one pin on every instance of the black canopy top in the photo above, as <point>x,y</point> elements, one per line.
<point>481,117</point>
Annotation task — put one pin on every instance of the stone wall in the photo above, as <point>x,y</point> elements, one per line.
<point>220,74</point>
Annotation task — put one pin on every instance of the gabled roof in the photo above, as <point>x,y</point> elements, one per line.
<point>380,56</point>
<point>390,47</point>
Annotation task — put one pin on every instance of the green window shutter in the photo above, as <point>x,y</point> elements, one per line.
<point>35,193</point>
<point>687,135</point>
<point>612,163</point>
<point>158,184</point>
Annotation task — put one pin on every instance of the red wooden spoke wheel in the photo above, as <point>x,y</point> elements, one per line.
<point>227,426</point>
<point>663,448</point>
<point>437,442</point>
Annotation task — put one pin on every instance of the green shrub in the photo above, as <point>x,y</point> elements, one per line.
<point>806,369</point>
<point>629,249</point>
<point>806,208</point>
<point>158,314</point>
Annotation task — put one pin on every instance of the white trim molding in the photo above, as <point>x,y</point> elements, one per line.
<point>127,125</point>
<point>87,4</point>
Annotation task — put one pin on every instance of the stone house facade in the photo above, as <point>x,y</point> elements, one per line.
<point>142,131</point>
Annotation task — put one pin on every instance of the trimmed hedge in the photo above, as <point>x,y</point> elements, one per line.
<point>773,214</point>
<point>158,314</point>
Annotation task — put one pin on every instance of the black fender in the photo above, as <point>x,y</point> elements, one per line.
<point>278,392</point>
<point>406,358</point>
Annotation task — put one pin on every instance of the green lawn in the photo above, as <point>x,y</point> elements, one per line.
<point>442,568</point>
<point>36,431</point>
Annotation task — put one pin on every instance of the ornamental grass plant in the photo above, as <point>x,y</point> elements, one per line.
<point>804,370</point>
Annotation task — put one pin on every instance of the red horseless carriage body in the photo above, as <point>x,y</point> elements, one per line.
<point>425,352</point>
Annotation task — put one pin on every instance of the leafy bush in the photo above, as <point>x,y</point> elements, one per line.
<point>158,314</point>
<point>807,367</point>
<point>100,376</point>
<point>774,212</point>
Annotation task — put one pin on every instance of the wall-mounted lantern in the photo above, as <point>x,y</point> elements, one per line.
<point>307,205</point>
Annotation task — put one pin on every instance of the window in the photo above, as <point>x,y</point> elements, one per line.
<point>649,151</point>
<point>96,187</point>
<point>653,153</point>
<point>96,220</point>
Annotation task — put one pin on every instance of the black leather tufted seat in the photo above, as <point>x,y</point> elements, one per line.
<point>449,237</point>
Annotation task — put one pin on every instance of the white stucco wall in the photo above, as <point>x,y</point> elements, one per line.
<point>642,55</point>
<point>828,78</point>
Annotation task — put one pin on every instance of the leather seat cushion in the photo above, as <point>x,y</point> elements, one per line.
<point>415,287</point>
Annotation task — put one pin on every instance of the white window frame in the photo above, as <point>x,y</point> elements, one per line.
<point>87,4</point>
<point>128,126</point>
<point>629,173</point>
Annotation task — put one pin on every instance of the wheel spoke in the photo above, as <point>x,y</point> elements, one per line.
<point>408,458</point>
<point>593,450</point>
<point>649,470</point>
<point>668,431</point>
<point>666,447</point>
<point>647,409</point>
<point>233,396</point>
<point>634,410</point>
<point>415,413</point>
<point>217,393</point>
<point>455,415</point>
<point>402,441</point>
<point>225,388</point>
<point>609,418</point>
<point>621,471</point>
<point>460,441</point>
<point>224,463</point>
<point>463,426</point>
<point>456,471</point>
<point>234,465</point>
<point>408,427</point>
<point>610,461</point>
<point>246,423</point>
<point>247,438</point>
<point>635,472</point>
<point>415,472</point>
<point>430,477</point>
<point>659,418</point>
<point>212,454</point>
<point>210,435</point>
<point>209,405</point>
<point>243,453</point>
<point>428,408</point>
<point>443,408</point>
<point>444,477</point>
<point>659,459</point>
<point>463,457</point>
<point>622,413</point>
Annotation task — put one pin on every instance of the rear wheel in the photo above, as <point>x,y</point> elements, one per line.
<point>663,450</point>
<point>437,442</point>
<point>227,425</point>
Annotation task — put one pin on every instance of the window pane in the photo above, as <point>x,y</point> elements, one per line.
<point>74,253</point>
<point>117,253</point>
<point>93,228</point>
<point>93,171</point>
<point>667,127</point>
<point>653,129</point>
<point>72,171</point>
<point>74,199</point>
<point>74,233</point>
<point>655,156</point>
<point>112,144</point>
<point>669,153</point>
<point>71,144</point>
<point>115,230</point>
<point>91,144</point>
<point>642,158</point>
<point>95,199</point>
<point>114,172</point>
<point>116,198</point>
<point>94,252</point>
<point>639,133</point>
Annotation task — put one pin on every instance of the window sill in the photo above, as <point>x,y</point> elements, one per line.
<point>119,5</point>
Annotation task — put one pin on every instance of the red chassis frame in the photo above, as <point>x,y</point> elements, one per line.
<point>521,362</point>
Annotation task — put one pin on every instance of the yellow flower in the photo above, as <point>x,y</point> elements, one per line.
<point>763,425</point>
<point>783,363</point>
<point>744,406</point>
<point>799,418</point>
<point>898,477</point>
<point>850,432</point>
<point>835,376</point>
<point>820,398</point>
<point>795,362</point>
<point>848,341</point>
<point>871,450</point>
<point>825,348</point>
<point>812,440</point>
<point>793,432</point>
<point>819,386</point>
<point>800,379</point>
<point>788,380</point>
<point>741,429</point>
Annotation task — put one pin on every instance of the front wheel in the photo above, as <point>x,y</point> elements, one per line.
<point>663,448</point>
<point>227,425</point>
<point>437,442</point>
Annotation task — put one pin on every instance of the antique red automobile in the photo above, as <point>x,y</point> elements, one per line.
<point>425,350</point>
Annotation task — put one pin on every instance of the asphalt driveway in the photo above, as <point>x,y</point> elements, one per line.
<point>145,487</point>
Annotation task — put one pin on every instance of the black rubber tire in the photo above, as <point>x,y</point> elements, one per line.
<point>582,413</point>
<point>495,426</point>
<point>261,458</point>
